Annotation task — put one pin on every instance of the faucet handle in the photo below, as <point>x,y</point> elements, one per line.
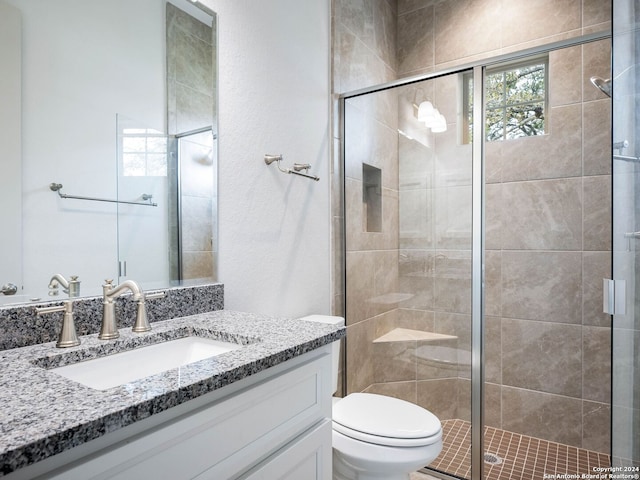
<point>142,322</point>
<point>68,336</point>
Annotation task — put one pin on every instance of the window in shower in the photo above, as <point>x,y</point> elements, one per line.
<point>144,153</point>
<point>515,100</point>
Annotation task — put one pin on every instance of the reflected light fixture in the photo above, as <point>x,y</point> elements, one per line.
<point>439,125</point>
<point>431,117</point>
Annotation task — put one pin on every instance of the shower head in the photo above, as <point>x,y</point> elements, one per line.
<point>603,85</point>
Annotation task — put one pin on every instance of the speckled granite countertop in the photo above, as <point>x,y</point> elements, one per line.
<point>43,414</point>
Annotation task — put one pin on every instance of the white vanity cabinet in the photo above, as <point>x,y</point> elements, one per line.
<point>275,424</point>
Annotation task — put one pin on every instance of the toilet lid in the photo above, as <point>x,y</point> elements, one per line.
<point>385,420</point>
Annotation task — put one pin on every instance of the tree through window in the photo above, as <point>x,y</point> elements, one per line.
<point>516,100</point>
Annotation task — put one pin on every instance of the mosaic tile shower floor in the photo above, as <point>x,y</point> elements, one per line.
<point>522,457</point>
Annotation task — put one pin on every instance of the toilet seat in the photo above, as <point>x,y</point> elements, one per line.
<point>386,421</point>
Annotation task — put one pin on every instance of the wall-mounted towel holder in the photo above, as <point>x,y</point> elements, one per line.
<point>56,187</point>
<point>297,168</point>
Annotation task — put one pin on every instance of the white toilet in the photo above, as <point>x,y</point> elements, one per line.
<point>379,437</point>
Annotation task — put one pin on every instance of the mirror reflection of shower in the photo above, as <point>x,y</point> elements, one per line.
<point>193,166</point>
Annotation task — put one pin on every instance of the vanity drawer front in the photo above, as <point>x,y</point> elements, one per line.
<point>308,458</point>
<point>225,438</point>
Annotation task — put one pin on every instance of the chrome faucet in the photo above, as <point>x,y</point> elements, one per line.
<point>72,286</point>
<point>109,328</point>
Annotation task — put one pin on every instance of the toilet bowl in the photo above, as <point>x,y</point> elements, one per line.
<point>379,437</point>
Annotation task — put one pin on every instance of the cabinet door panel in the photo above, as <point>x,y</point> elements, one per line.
<point>307,458</point>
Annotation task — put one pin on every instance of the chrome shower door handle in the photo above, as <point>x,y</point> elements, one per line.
<point>614,296</point>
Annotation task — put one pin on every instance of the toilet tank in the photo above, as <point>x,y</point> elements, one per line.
<point>335,354</point>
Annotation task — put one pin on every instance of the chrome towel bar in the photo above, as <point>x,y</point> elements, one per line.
<point>56,187</point>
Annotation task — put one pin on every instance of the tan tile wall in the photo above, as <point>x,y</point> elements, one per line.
<point>548,219</point>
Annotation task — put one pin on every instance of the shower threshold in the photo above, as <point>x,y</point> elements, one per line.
<point>521,457</point>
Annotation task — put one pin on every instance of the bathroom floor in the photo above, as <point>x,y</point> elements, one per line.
<point>519,456</point>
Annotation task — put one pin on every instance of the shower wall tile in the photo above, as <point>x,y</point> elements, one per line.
<point>597,213</point>
<point>357,17</point>
<point>553,417</point>
<point>415,47</point>
<point>453,217</point>
<point>557,154</point>
<point>543,286</point>
<point>453,164</point>
<point>466,27</point>
<point>565,72</point>
<point>384,30</point>
<point>372,142</point>
<point>526,21</point>
<point>394,361</point>
<point>420,320</point>
<point>402,390</point>
<point>359,354</point>
<point>464,399</point>
<point>194,63</point>
<point>542,215</point>
<point>416,220</point>
<point>493,405</point>
<point>198,265</point>
<point>446,99</point>
<point>596,266</point>
<point>493,282</point>
<point>452,285</point>
<point>595,12</point>
<point>596,122</point>
<point>407,6</point>
<point>357,238</point>
<point>436,359</point>
<point>535,356</point>
<point>416,278</point>
<point>494,204</point>
<point>355,65</point>
<point>370,289</point>
<point>458,325</point>
<point>493,350</point>
<point>360,286</point>
<point>596,426</point>
<point>439,397</point>
<point>596,366</point>
<point>596,62</point>
<point>493,159</point>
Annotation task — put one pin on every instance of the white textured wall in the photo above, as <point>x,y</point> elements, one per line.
<point>274,98</point>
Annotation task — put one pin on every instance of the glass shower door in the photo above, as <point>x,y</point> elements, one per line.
<point>626,239</point>
<point>408,174</point>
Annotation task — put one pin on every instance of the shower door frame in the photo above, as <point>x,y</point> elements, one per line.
<point>478,220</point>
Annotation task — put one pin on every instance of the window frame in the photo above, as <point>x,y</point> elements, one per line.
<point>466,81</point>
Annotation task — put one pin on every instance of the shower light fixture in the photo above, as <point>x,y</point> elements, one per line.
<point>431,117</point>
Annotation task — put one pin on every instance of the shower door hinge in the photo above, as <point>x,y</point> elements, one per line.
<point>614,296</point>
<point>122,268</point>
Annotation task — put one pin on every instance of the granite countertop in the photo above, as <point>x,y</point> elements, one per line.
<point>44,414</point>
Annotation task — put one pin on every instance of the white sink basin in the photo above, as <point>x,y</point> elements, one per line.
<point>120,368</point>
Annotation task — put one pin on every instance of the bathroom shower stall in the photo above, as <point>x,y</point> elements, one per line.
<point>477,234</point>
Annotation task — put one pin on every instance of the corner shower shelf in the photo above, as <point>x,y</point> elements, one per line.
<point>409,335</point>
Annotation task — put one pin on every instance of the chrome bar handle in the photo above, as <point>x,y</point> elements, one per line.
<point>8,289</point>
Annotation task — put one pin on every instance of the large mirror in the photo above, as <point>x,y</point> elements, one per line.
<point>116,101</point>
<point>112,101</point>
